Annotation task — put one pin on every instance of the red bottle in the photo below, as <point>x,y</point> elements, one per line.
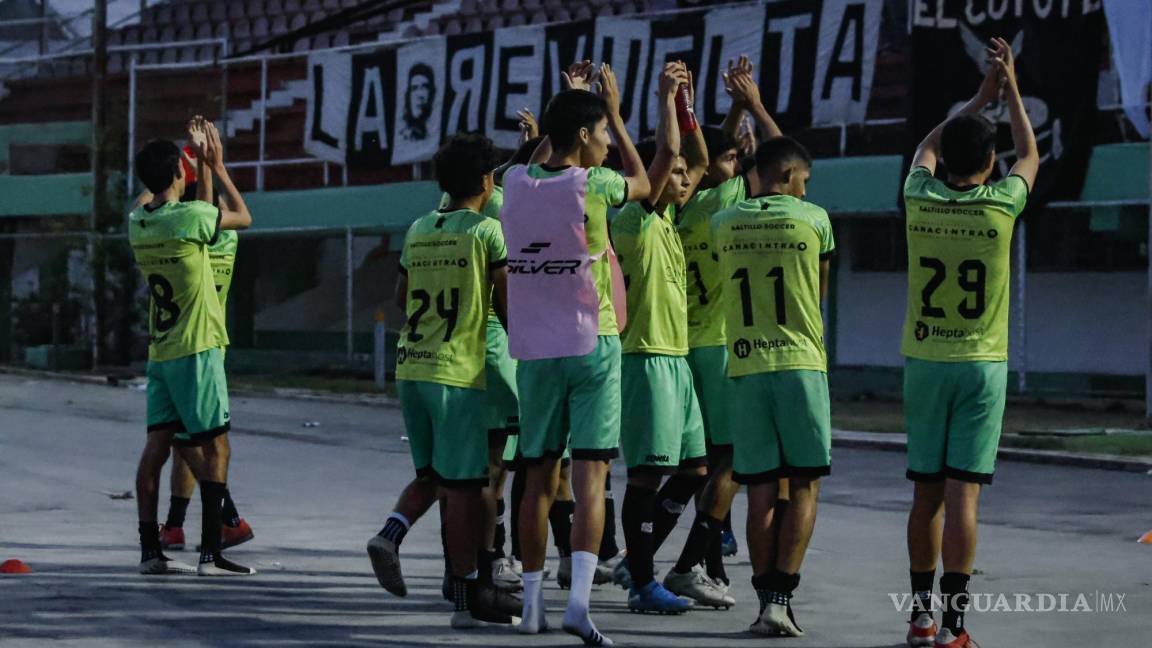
<point>685,113</point>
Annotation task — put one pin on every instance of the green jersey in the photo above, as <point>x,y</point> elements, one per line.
<point>705,302</point>
<point>223,257</point>
<point>770,251</point>
<point>447,257</point>
<point>959,250</point>
<point>491,209</point>
<point>170,244</point>
<point>606,188</point>
<point>652,259</point>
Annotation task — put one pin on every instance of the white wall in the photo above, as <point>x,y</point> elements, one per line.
<point>1086,322</point>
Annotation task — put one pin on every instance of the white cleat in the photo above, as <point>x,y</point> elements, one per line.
<point>504,577</point>
<point>776,621</point>
<point>223,567</point>
<point>697,586</point>
<point>162,565</point>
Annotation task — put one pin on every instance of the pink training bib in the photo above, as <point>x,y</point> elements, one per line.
<point>553,305</point>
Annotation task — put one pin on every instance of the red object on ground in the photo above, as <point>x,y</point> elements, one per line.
<point>189,171</point>
<point>14,567</point>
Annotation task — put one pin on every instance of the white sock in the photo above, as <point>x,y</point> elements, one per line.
<point>576,619</point>
<point>532,618</point>
<point>583,571</point>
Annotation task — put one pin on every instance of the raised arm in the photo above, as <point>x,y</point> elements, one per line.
<point>928,153</point>
<point>638,185</point>
<point>1027,155</point>
<point>668,130</point>
<point>234,212</point>
<point>693,146</point>
<point>198,139</point>
<point>742,83</point>
<point>731,125</point>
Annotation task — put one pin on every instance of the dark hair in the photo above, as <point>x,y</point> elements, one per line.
<point>718,141</point>
<point>462,163</point>
<point>523,155</point>
<point>965,144</point>
<point>158,165</point>
<point>646,149</point>
<point>776,152</point>
<point>567,113</point>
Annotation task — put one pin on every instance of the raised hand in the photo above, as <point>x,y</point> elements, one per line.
<point>214,150</point>
<point>529,127</point>
<point>608,89</point>
<point>673,76</point>
<point>579,76</point>
<point>197,137</point>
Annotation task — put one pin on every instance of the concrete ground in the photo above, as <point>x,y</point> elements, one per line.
<point>316,494</point>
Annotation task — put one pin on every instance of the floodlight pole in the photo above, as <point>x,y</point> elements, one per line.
<point>99,172</point>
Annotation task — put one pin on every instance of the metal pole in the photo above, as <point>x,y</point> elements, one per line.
<point>43,27</point>
<point>99,173</point>
<point>1148,319</point>
<point>263,121</point>
<point>129,177</point>
<point>348,293</point>
<point>1022,305</point>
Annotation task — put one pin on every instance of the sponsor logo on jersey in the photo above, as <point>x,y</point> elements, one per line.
<point>743,348</point>
<point>923,331</point>
<point>403,355</point>
<point>750,246</point>
<point>551,267</point>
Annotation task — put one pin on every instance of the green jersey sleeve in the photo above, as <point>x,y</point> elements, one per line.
<point>609,184</point>
<point>199,222</point>
<point>1014,190</point>
<point>492,236</point>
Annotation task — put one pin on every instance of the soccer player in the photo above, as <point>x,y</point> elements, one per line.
<point>956,338</point>
<point>721,188</point>
<point>235,529</point>
<point>452,264</point>
<point>187,389</point>
<point>661,430</point>
<point>774,253</point>
<point>563,325</point>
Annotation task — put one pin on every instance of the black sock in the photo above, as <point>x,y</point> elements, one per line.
<point>461,593</point>
<point>636,517</point>
<point>954,592</point>
<point>775,587</point>
<point>211,502</point>
<point>922,592</point>
<point>393,530</point>
<point>705,530</point>
<point>728,521</point>
<point>608,546</point>
<point>501,530</point>
<point>177,509</point>
<point>518,482</point>
<point>671,500</point>
<point>228,514</point>
<point>714,557</point>
<point>149,540</point>
<point>560,518</point>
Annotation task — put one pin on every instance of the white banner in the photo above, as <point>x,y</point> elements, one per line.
<point>419,92</point>
<point>325,129</point>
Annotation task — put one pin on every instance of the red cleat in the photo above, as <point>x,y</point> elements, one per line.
<point>945,639</point>
<point>232,536</point>
<point>922,632</point>
<point>171,538</point>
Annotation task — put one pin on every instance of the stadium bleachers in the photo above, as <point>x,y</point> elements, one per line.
<point>61,91</point>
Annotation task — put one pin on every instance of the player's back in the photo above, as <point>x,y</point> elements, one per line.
<point>652,260</point>
<point>447,257</point>
<point>770,249</point>
<point>704,283</point>
<point>959,251</point>
<point>170,244</point>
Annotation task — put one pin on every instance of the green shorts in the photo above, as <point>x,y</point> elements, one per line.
<point>787,429</point>
<point>188,396</point>
<point>571,401</point>
<point>953,412</point>
<point>500,370</point>
<point>661,429</point>
<point>713,390</point>
<point>446,432</point>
